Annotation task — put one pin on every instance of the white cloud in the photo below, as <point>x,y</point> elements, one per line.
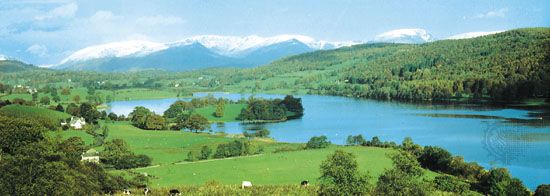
<point>37,49</point>
<point>101,16</point>
<point>64,11</point>
<point>500,13</point>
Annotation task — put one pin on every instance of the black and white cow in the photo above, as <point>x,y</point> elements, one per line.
<point>174,192</point>
<point>305,183</point>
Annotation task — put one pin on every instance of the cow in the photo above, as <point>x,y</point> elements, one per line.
<point>305,183</point>
<point>146,191</point>
<point>126,192</point>
<point>246,184</point>
<point>174,192</point>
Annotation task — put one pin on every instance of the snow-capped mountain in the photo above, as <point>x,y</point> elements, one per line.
<point>473,34</point>
<point>211,51</point>
<point>408,36</point>
<point>115,49</point>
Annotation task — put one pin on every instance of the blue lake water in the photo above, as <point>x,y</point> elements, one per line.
<point>491,141</point>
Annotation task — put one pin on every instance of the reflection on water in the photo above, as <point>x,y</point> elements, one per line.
<point>459,128</point>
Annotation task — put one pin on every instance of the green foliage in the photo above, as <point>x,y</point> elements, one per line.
<point>118,155</point>
<point>340,176</point>
<point>499,182</point>
<point>236,148</point>
<point>205,152</point>
<point>143,118</point>
<point>403,178</point>
<point>293,105</point>
<point>48,118</point>
<point>155,122</point>
<point>220,109</point>
<point>261,109</point>
<point>45,100</point>
<point>436,158</point>
<point>33,165</point>
<point>543,190</point>
<point>195,123</point>
<point>318,142</point>
<point>258,133</point>
<point>452,184</point>
<point>353,140</point>
<point>89,113</point>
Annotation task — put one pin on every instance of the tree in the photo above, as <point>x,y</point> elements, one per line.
<point>117,154</point>
<point>340,176</point>
<point>205,153</point>
<point>155,122</point>
<point>293,105</point>
<point>139,116</point>
<point>105,131</point>
<point>34,97</point>
<point>436,158</point>
<point>219,109</point>
<point>76,99</point>
<point>452,184</point>
<point>89,113</point>
<point>73,109</point>
<point>543,190</point>
<point>196,123</point>
<point>192,156</point>
<point>65,91</point>
<point>355,140</point>
<point>112,116</point>
<point>499,182</point>
<point>56,98</point>
<point>59,107</point>
<point>318,142</point>
<point>403,179</point>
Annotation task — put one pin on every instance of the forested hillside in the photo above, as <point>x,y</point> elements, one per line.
<point>507,66</point>
<point>7,66</point>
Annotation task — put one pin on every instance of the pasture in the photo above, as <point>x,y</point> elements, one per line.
<point>231,112</point>
<point>31,112</point>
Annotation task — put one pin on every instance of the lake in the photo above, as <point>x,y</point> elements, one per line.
<point>488,135</point>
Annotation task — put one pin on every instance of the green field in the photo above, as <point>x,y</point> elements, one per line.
<point>87,138</point>
<point>164,147</point>
<point>169,150</point>
<point>33,112</point>
<point>269,168</point>
<point>231,112</point>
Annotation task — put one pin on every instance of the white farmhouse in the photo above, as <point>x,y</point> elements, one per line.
<point>76,122</point>
<point>91,156</point>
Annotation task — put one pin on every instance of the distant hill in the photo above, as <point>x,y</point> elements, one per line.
<point>192,53</point>
<point>504,66</point>
<point>8,66</point>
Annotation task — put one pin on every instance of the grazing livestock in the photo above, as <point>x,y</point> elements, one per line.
<point>174,192</point>
<point>246,184</point>
<point>305,183</point>
<point>146,191</point>
<point>126,192</point>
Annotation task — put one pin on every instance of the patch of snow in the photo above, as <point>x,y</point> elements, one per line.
<point>404,36</point>
<point>473,34</point>
<point>116,49</point>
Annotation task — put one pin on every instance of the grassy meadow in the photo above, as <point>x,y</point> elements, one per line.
<point>33,112</point>
<point>169,149</point>
<point>231,112</point>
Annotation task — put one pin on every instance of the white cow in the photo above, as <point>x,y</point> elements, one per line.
<point>246,184</point>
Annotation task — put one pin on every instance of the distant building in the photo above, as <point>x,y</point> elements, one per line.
<point>76,122</point>
<point>91,156</point>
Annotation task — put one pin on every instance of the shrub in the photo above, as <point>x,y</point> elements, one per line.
<point>340,176</point>
<point>318,142</point>
<point>451,184</point>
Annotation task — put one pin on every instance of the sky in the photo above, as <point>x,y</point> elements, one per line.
<point>44,32</point>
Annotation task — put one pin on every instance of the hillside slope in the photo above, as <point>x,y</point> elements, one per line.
<point>506,66</point>
<point>8,66</point>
